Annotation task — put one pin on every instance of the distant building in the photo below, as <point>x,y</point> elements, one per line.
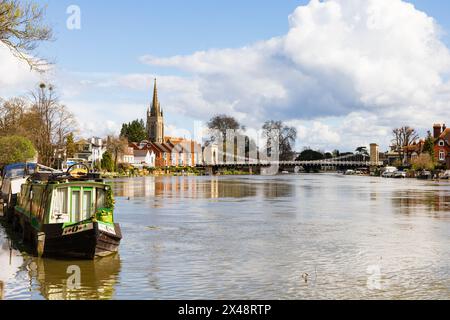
<point>392,157</point>
<point>128,156</point>
<point>185,153</point>
<point>145,157</point>
<point>167,151</point>
<point>143,154</point>
<point>441,135</point>
<point>90,150</point>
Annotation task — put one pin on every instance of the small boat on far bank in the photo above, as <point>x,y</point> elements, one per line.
<point>68,215</point>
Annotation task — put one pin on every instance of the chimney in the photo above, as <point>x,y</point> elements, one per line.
<point>437,130</point>
<point>444,128</point>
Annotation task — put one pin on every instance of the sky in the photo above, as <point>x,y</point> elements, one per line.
<point>343,72</point>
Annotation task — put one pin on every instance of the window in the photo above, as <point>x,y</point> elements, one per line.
<point>60,212</point>
<point>76,213</point>
<point>100,198</point>
<point>82,204</point>
<point>87,203</point>
<point>441,155</point>
<point>61,201</point>
<point>441,143</point>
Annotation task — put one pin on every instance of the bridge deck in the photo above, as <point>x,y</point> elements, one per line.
<point>324,163</point>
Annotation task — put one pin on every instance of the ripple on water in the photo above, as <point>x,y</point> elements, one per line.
<point>289,237</point>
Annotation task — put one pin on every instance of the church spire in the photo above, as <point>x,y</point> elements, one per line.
<point>155,119</point>
<point>156,107</point>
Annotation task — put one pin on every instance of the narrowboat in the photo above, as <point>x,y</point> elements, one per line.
<point>69,215</point>
<point>13,176</point>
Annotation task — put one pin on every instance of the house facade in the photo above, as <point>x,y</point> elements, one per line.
<point>90,150</point>
<point>143,154</point>
<point>184,153</point>
<point>128,156</point>
<point>145,157</point>
<point>441,135</point>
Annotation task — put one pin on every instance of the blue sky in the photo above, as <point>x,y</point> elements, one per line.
<point>114,36</point>
<point>245,58</point>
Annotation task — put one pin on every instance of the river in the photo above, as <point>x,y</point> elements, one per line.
<point>323,236</point>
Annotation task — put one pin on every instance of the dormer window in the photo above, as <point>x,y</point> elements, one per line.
<point>441,143</point>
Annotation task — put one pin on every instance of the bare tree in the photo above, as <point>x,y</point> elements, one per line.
<point>117,146</point>
<point>222,123</point>
<point>48,123</point>
<point>22,29</point>
<point>403,137</point>
<point>285,135</point>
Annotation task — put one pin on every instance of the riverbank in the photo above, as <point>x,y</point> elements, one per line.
<point>171,172</point>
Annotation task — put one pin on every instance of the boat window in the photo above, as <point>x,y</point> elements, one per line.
<point>76,214</point>
<point>60,212</point>
<point>87,202</point>
<point>15,173</point>
<point>100,198</point>
<point>61,201</point>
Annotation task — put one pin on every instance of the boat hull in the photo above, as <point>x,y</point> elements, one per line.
<point>81,241</point>
<point>85,241</point>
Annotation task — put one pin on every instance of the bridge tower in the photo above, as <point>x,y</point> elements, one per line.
<point>374,153</point>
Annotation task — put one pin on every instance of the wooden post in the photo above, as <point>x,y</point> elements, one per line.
<point>40,243</point>
<point>2,290</point>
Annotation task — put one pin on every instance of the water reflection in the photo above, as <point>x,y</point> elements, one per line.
<point>11,261</point>
<point>201,188</point>
<point>256,238</point>
<point>58,280</point>
<point>22,275</point>
<point>416,201</point>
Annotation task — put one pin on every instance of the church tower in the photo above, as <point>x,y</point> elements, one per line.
<point>155,119</point>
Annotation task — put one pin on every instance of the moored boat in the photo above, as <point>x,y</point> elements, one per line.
<point>13,176</point>
<point>68,215</point>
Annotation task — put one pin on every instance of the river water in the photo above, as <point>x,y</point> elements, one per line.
<point>283,237</point>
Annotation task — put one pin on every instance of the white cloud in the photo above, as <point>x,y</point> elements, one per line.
<point>357,68</point>
<point>14,74</point>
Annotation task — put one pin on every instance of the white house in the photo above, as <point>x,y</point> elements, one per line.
<point>128,156</point>
<point>91,150</point>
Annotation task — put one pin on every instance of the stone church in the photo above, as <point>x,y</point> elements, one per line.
<point>155,119</point>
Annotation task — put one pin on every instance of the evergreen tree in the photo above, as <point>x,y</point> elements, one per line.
<point>429,145</point>
<point>134,131</point>
<point>70,146</point>
<point>310,155</point>
<point>107,162</point>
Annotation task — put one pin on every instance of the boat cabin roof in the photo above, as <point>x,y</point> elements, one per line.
<point>17,170</point>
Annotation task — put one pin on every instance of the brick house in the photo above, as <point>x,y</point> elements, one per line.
<point>441,135</point>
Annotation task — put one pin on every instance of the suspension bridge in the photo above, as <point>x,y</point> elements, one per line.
<point>352,161</point>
